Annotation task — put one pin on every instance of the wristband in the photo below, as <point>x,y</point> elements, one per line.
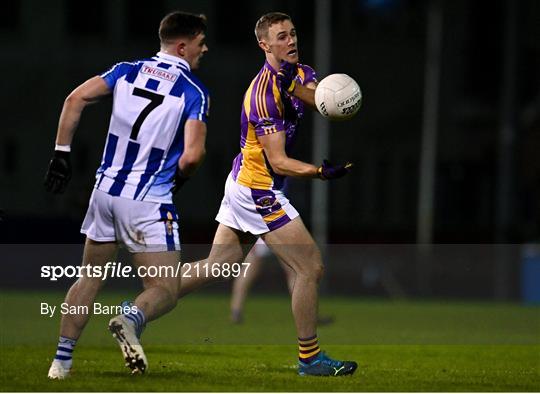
<point>320,174</point>
<point>62,148</point>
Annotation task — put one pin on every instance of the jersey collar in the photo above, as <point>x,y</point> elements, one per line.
<point>174,60</point>
<point>269,67</point>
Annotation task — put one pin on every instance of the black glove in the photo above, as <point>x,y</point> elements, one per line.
<point>58,173</point>
<point>329,171</point>
<point>286,76</point>
<point>179,180</point>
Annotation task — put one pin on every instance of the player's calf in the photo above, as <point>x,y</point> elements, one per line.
<point>158,298</point>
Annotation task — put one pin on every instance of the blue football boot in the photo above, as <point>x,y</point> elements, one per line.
<point>325,366</point>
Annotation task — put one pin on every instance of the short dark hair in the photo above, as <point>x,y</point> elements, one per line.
<point>180,24</point>
<point>267,20</point>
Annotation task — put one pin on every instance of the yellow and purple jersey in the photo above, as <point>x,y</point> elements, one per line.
<point>266,110</point>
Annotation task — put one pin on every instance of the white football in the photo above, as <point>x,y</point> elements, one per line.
<point>338,97</point>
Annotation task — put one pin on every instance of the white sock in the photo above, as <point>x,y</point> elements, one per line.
<point>64,351</point>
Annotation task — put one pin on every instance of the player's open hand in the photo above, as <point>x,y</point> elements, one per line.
<point>329,171</point>
<point>59,172</point>
<point>286,76</point>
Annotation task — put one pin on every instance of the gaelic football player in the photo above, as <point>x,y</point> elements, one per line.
<point>156,134</point>
<point>254,203</point>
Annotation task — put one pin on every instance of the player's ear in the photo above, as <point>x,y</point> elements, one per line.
<point>181,48</point>
<point>264,46</point>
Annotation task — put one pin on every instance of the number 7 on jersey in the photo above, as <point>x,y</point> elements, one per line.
<point>155,101</point>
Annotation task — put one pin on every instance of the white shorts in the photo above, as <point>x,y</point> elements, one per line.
<point>254,211</point>
<point>141,226</point>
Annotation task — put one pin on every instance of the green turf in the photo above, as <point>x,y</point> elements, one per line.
<point>400,346</point>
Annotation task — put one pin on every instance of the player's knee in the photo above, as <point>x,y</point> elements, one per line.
<point>316,267</point>
<point>312,272</point>
<point>318,272</point>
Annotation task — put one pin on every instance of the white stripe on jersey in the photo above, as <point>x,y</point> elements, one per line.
<point>201,112</point>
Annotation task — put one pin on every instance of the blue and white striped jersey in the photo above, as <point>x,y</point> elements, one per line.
<point>152,100</point>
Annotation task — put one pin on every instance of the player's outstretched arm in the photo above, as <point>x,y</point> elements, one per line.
<point>194,152</point>
<point>274,149</point>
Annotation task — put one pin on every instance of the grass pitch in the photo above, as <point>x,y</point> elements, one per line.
<point>400,346</point>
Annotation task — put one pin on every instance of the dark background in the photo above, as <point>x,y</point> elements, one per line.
<point>51,47</point>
